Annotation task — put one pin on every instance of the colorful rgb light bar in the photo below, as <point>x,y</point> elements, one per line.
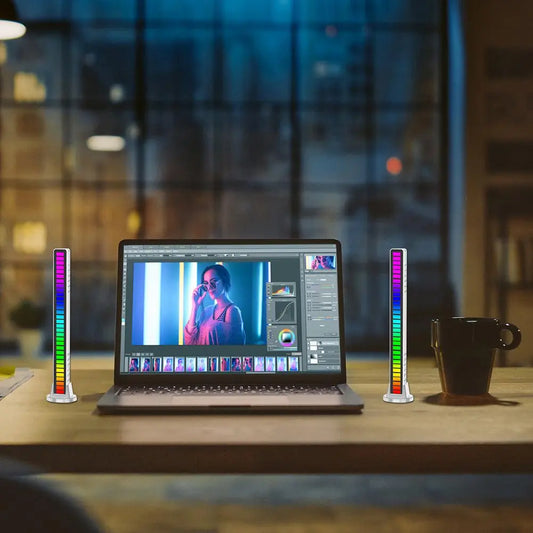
<point>396,327</point>
<point>398,386</point>
<point>61,387</point>
<point>60,307</point>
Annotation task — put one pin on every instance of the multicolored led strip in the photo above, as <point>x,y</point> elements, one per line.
<point>397,322</point>
<point>61,316</point>
<point>398,391</point>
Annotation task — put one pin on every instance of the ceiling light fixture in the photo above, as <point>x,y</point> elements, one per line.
<point>10,25</point>
<point>106,143</point>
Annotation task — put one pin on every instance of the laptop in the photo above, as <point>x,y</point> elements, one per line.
<point>208,326</point>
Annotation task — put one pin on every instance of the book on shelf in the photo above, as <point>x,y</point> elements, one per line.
<point>513,259</point>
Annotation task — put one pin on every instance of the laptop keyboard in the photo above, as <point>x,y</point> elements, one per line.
<point>229,389</point>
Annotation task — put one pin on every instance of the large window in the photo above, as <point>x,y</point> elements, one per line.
<point>271,118</point>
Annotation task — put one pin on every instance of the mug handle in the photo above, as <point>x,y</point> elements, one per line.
<point>517,337</point>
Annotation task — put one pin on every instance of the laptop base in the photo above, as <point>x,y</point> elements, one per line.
<point>113,402</point>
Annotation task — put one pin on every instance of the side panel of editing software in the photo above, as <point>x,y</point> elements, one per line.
<point>322,319</point>
<point>249,309</point>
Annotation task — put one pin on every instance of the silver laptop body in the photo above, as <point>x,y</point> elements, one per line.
<point>229,326</point>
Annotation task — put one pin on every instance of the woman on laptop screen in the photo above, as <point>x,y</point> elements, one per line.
<point>220,323</point>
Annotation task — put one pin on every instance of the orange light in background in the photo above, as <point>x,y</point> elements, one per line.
<point>394,165</point>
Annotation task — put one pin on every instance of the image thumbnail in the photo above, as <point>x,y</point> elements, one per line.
<point>270,364</point>
<point>293,364</point>
<point>180,364</point>
<point>202,364</point>
<point>134,364</point>
<point>146,364</point>
<point>320,262</point>
<point>191,364</point>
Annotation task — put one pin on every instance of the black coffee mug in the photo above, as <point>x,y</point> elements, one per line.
<point>465,348</point>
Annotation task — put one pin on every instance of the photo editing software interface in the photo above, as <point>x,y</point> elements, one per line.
<point>247,308</point>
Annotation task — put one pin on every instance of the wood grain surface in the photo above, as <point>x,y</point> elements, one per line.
<point>428,435</point>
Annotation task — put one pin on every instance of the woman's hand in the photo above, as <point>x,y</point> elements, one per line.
<point>199,294</point>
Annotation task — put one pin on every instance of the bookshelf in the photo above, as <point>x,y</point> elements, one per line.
<point>509,264</point>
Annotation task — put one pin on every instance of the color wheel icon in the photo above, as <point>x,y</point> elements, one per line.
<point>286,337</point>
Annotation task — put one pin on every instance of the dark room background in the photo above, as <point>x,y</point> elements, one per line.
<point>238,119</point>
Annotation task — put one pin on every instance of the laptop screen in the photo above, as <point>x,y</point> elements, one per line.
<point>214,308</point>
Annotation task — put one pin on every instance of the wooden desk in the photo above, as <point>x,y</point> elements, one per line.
<point>420,437</point>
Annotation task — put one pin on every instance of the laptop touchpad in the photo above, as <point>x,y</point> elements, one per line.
<point>221,401</point>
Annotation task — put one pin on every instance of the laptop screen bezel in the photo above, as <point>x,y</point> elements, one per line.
<point>330,378</point>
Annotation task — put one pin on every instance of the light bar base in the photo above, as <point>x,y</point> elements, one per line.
<point>68,397</point>
<point>405,397</point>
